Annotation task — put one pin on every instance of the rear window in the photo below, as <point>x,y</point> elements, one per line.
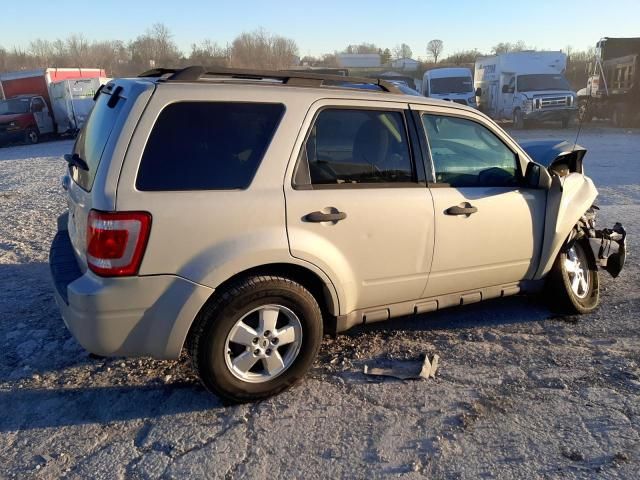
<point>93,138</point>
<point>207,145</point>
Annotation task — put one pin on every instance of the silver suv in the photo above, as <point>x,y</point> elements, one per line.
<point>243,213</point>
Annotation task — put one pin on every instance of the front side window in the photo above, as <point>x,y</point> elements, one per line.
<point>467,154</point>
<point>207,145</point>
<point>350,147</point>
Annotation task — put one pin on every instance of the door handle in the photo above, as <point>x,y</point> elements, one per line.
<point>462,209</point>
<point>318,217</point>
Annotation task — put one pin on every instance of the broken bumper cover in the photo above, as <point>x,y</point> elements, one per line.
<point>609,246</point>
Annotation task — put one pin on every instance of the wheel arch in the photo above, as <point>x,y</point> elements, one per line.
<point>322,289</point>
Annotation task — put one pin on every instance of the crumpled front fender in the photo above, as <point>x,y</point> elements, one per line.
<point>567,200</point>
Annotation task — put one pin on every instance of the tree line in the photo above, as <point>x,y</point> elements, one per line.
<point>258,49</point>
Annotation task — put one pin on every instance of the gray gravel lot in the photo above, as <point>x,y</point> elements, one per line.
<point>520,393</point>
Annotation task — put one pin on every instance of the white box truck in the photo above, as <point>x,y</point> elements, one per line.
<point>452,84</point>
<point>525,86</point>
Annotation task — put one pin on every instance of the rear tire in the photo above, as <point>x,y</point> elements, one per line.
<point>573,285</point>
<point>31,136</point>
<point>280,314</point>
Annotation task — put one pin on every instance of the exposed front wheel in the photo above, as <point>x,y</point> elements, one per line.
<point>257,338</point>
<point>31,136</point>
<point>573,284</point>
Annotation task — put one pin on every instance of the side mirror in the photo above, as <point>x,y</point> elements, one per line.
<point>478,92</point>
<point>537,176</point>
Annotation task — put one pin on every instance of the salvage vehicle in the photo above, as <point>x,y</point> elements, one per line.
<point>613,88</point>
<point>243,213</point>
<point>50,101</point>
<point>526,86</point>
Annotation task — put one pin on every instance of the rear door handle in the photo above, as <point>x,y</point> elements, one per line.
<point>318,217</point>
<point>462,209</point>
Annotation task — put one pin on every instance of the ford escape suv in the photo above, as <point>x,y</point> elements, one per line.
<point>240,214</point>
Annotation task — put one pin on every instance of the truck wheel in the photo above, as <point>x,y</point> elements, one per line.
<point>31,136</point>
<point>518,119</point>
<point>256,338</point>
<point>584,113</point>
<point>573,284</point>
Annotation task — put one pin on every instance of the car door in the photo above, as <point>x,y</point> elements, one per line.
<point>488,225</point>
<point>41,113</point>
<point>507,95</point>
<point>357,202</point>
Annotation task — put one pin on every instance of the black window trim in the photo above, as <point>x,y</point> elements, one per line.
<point>266,151</point>
<point>418,182</point>
<point>429,165</point>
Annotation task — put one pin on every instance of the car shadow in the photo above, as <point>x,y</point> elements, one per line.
<point>27,409</point>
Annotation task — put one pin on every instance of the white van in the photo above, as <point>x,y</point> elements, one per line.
<point>452,84</point>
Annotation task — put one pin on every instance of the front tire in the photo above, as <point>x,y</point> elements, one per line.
<point>573,285</point>
<point>31,136</point>
<point>257,338</point>
<point>518,119</point>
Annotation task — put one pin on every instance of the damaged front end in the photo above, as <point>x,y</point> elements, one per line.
<point>609,245</point>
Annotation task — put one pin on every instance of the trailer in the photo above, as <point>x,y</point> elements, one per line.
<point>525,86</point>
<point>613,86</point>
<point>51,101</point>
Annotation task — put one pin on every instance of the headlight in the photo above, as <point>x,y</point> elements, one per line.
<point>570,100</point>
<point>13,126</point>
<point>471,100</point>
<point>527,105</point>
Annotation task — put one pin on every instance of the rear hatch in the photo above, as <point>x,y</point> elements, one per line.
<point>101,144</point>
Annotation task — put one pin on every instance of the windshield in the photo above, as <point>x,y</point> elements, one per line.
<point>451,85</point>
<point>540,81</point>
<point>14,106</point>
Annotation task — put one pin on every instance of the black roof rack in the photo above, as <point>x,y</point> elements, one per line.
<point>294,78</point>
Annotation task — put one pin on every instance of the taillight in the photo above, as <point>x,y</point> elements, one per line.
<point>116,242</point>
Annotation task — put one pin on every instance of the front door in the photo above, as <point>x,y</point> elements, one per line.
<point>488,225</point>
<point>42,115</point>
<point>355,206</point>
<point>507,95</point>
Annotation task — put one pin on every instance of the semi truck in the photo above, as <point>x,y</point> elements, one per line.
<point>525,86</point>
<point>613,85</point>
<point>452,84</point>
<point>50,101</point>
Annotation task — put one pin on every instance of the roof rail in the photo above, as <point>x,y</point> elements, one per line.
<point>294,78</point>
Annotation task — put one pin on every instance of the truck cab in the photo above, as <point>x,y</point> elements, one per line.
<point>452,84</point>
<point>24,118</point>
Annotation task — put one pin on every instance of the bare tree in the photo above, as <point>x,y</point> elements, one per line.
<point>506,47</point>
<point>209,53</point>
<point>463,57</point>
<point>260,49</point>
<point>434,49</point>
<point>402,51</point>
<point>361,48</point>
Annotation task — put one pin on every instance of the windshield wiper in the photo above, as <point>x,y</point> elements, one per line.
<point>76,161</point>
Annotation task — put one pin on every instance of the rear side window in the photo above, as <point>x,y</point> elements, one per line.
<point>347,147</point>
<point>93,138</point>
<point>207,145</point>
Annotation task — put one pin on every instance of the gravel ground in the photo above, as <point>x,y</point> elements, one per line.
<point>520,392</point>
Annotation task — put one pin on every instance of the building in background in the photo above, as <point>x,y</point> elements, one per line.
<point>359,60</point>
<point>405,64</point>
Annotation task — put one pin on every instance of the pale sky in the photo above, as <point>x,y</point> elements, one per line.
<point>326,26</point>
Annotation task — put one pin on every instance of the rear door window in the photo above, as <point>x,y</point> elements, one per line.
<point>93,138</point>
<point>207,145</point>
<point>348,147</point>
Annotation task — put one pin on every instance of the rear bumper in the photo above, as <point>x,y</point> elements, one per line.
<point>129,316</point>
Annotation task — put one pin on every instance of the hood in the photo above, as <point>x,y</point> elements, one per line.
<point>552,152</point>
